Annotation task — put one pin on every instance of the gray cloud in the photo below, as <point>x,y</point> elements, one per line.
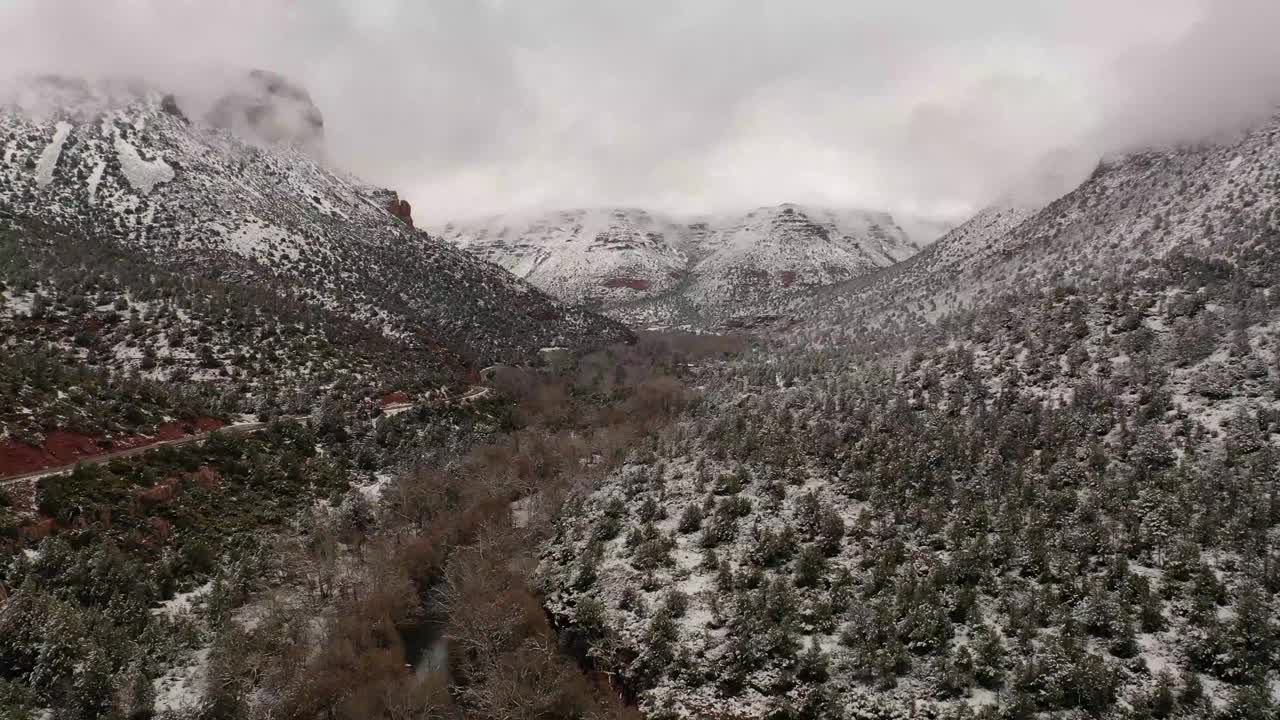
<point>480,106</point>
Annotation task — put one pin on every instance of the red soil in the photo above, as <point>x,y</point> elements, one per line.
<point>38,530</point>
<point>63,448</point>
<point>395,398</point>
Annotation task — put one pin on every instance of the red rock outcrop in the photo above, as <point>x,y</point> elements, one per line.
<point>402,210</point>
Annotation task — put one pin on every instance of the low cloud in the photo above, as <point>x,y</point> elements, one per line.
<point>482,106</point>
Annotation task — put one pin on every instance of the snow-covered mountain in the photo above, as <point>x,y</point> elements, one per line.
<point>654,269</point>
<point>1205,200</point>
<point>238,194</point>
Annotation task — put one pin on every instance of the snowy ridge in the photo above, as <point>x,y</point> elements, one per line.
<point>1132,210</point>
<point>127,165</point>
<point>654,269</point>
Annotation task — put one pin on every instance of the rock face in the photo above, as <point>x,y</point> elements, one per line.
<point>267,107</point>
<point>398,207</point>
<point>402,210</point>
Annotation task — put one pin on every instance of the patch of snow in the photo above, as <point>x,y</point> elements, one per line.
<point>95,177</point>
<point>255,239</point>
<point>18,305</point>
<point>142,175</point>
<point>182,689</point>
<point>981,696</point>
<point>397,409</point>
<point>373,491</point>
<point>49,156</point>
<point>182,603</point>
<point>1157,654</point>
<point>522,510</point>
<point>250,616</point>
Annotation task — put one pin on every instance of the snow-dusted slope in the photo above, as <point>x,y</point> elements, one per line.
<point>127,164</point>
<point>580,255</point>
<point>653,269</point>
<point>1197,200</point>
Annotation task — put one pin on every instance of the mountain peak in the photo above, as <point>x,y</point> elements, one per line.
<point>699,270</point>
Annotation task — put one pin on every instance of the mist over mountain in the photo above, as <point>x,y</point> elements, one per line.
<point>738,360</point>
<point>483,108</point>
<point>693,272</point>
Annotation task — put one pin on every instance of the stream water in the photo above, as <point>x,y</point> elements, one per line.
<point>426,648</point>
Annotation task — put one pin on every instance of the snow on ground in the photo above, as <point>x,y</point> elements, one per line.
<point>95,177</point>
<point>142,175</point>
<point>373,491</point>
<point>49,156</point>
<point>394,410</point>
<point>979,697</point>
<point>639,263</point>
<point>16,305</point>
<point>522,510</point>
<point>182,688</point>
<point>1158,654</point>
<point>322,203</point>
<point>256,239</point>
<point>182,603</point>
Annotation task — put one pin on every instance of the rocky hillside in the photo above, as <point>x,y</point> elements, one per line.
<point>652,269</point>
<point>1207,200</point>
<point>239,196</point>
<point>1027,473</point>
<point>99,342</point>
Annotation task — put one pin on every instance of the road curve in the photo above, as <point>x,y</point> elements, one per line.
<point>232,430</point>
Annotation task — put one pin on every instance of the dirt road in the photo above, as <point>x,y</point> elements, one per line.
<point>231,430</point>
<point>472,393</point>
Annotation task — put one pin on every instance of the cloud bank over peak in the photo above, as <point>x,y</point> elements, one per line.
<point>472,107</point>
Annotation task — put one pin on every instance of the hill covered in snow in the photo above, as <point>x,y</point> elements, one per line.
<point>652,269</point>
<point>1211,199</point>
<point>239,195</point>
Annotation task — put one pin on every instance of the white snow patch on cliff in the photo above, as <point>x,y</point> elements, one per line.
<point>143,175</point>
<point>49,156</point>
<point>257,239</point>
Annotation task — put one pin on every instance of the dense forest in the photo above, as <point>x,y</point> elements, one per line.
<point>1063,501</point>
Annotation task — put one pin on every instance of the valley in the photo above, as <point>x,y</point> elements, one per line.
<point>653,270</point>
<point>790,463</point>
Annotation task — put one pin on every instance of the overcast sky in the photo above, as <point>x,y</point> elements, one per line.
<point>932,107</point>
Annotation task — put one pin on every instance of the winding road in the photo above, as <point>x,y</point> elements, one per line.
<point>473,393</point>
